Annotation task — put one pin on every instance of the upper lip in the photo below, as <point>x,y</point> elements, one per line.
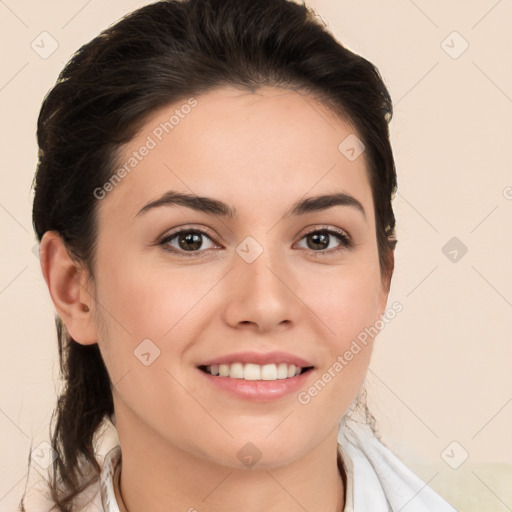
<point>260,358</point>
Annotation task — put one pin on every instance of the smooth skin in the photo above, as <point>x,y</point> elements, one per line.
<point>260,153</point>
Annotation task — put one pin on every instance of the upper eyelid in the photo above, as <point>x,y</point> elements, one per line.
<point>186,229</point>
<point>324,227</point>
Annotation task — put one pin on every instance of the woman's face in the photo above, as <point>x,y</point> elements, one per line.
<point>254,284</point>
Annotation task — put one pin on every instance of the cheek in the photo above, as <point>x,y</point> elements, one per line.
<point>144,314</point>
<point>160,310</point>
<point>348,303</point>
<point>349,309</point>
<point>147,300</point>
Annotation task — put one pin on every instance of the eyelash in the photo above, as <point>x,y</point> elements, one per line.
<point>346,241</point>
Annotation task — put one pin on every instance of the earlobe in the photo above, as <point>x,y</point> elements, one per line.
<point>67,283</point>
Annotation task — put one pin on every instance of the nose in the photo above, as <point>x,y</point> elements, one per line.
<point>264,294</point>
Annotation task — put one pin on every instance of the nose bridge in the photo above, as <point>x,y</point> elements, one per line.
<point>262,262</point>
<point>263,284</point>
<point>269,272</point>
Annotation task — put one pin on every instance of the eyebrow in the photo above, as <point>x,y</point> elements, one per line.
<point>215,207</point>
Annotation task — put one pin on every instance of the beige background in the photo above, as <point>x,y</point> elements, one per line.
<point>441,369</point>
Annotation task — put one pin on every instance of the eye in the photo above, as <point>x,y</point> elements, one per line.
<point>319,240</point>
<point>188,240</point>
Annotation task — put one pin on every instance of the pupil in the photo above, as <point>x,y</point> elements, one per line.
<point>190,239</point>
<point>320,240</point>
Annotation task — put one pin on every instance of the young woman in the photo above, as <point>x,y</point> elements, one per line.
<point>213,202</point>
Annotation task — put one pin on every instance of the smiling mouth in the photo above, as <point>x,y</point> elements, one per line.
<point>250,371</point>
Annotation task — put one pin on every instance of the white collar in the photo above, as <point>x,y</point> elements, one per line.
<point>381,482</point>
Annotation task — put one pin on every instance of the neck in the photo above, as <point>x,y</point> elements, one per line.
<point>157,475</point>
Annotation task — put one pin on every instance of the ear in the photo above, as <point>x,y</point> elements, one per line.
<point>69,288</point>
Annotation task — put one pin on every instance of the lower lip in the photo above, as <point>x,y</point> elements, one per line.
<point>259,390</point>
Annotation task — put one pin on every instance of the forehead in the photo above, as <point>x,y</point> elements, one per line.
<point>269,146</point>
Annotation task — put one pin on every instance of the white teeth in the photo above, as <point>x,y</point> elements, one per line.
<point>282,371</point>
<point>237,371</point>
<point>252,371</point>
<point>269,372</point>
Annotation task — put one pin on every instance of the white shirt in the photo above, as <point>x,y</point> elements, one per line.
<point>377,481</point>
